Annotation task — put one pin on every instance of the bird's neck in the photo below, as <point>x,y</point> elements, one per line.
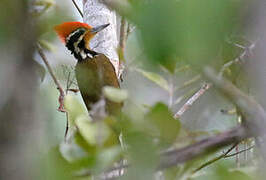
<point>78,47</point>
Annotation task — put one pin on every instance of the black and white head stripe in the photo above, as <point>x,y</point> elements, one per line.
<point>75,43</point>
<point>73,37</point>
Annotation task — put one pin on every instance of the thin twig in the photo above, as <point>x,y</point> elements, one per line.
<point>206,86</point>
<point>191,100</point>
<point>77,7</point>
<point>59,87</point>
<point>239,152</point>
<point>242,56</point>
<point>215,159</point>
<point>128,30</point>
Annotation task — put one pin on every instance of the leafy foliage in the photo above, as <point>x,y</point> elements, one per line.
<point>171,32</point>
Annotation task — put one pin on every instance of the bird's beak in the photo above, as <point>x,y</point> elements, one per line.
<point>99,28</point>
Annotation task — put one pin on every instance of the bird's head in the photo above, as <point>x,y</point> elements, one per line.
<point>76,36</point>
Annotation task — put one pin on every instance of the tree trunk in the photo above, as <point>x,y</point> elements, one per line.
<point>18,93</point>
<point>106,42</point>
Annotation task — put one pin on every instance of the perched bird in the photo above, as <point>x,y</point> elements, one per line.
<point>93,70</point>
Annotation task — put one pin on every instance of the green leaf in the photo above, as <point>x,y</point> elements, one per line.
<point>161,120</point>
<point>156,78</point>
<point>74,109</point>
<point>95,133</point>
<point>115,94</point>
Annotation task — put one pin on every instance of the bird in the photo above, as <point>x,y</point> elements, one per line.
<point>93,70</point>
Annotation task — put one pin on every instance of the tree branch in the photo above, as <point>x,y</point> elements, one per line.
<point>191,100</point>
<point>177,156</point>
<point>50,70</point>
<point>215,159</point>
<point>252,113</point>
<point>254,116</point>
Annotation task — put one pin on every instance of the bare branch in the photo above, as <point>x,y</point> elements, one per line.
<point>206,86</point>
<point>186,95</point>
<point>77,7</point>
<point>50,70</point>
<point>191,100</point>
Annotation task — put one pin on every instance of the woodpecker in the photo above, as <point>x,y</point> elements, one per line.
<point>93,70</point>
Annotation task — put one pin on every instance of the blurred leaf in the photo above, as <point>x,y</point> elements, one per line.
<point>44,3</point>
<point>106,157</point>
<point>97,133</point>
<point>157,23</point>
<point>236,175</point>
<point>41,6</point>
<point>74,109</point>
<point>162,119</point>
<point>143,156</point>
<point>171,173</point>
<point>156,78</point>
<point>47,21</point>
<point>115,94</point>
<point>187,29</point>
<point>81,141</point>
<point>55,166</point>
<point>46,45</point>
<point>71,151</point>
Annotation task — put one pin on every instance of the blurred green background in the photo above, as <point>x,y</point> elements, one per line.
<point>171,41</point>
